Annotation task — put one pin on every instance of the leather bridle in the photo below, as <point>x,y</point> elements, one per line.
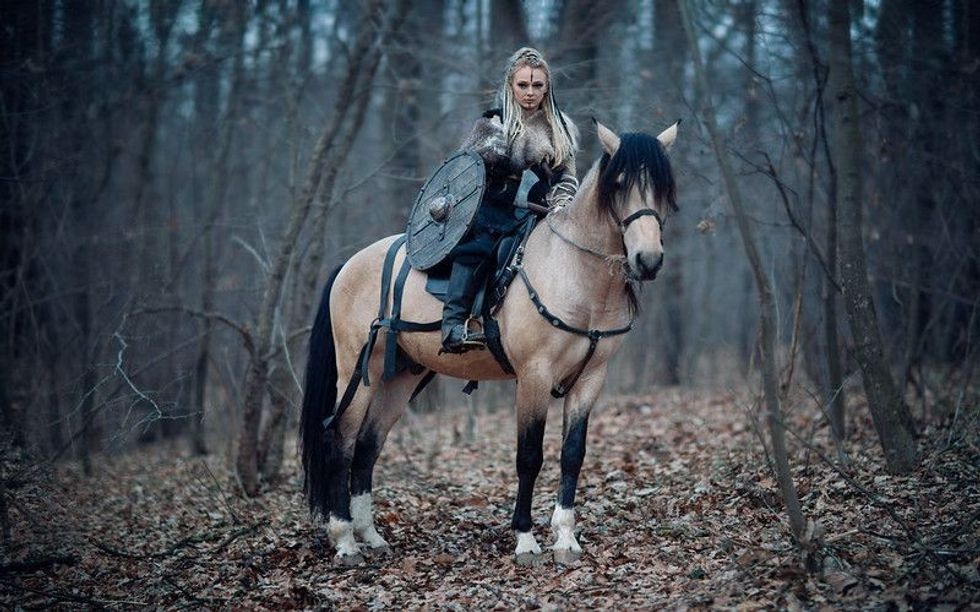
<point>623,226</point>
<point>643,212</point>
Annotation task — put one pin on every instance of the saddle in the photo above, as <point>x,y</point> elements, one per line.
<point>492,292</point>
<point>489,297</point>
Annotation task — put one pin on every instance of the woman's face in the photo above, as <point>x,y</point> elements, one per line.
<point>530,86</point>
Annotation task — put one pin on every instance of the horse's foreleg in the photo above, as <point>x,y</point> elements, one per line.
<point>532,411</point>
<point>387,407</point>
<point>575,424</point>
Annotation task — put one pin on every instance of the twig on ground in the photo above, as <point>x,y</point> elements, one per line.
<point>34,564</point>
<point>62,596</point>
<point>234,517</point>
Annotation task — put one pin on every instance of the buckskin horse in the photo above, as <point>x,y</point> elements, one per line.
<point>559,327</point>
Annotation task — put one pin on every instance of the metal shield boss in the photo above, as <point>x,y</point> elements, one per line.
<point>444,210</point>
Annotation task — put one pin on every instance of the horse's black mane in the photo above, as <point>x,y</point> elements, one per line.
<point>640,161</point>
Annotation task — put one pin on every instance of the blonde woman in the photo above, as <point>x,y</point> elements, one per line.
<point>527,132</point>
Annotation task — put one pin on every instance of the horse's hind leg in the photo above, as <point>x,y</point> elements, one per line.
<point>388,406</point>
<point>338,466</point>
<point>575,422</point>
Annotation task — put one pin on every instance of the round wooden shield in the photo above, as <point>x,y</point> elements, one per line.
<point>445,209</point>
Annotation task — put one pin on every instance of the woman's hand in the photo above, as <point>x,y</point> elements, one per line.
<point>497,139</point>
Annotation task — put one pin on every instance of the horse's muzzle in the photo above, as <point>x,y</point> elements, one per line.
<point>647,265</point>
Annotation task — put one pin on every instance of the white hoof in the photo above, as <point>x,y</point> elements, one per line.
<point>566,556</point>
<point>527,552</point>
<point>371,538</point>
<point>529,559</point>
<point>566,548</point>
<point>362,515</point>
<point>348,560</point>
<point>341,534</point>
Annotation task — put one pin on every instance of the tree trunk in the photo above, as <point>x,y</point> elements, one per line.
<point>767,315</point>
<point>217,181</point>
<point>328,156</point>
<point>834,391</point>
<point>281,385</point>
<point>667,87</point>
<point>890,414</point>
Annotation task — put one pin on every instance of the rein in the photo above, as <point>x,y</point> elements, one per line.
<point>623,226</point>
<point>613,258</point>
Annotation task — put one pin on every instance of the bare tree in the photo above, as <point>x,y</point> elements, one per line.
<point>328,156</point>
<point>891,417</point>
<point>233,31</point>
<point>767,312</point>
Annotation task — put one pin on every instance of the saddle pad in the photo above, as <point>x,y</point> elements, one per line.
<point>437,282</point>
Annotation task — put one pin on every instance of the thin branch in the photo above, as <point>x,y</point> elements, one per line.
<point>262,262</point>
<point>242,330</point>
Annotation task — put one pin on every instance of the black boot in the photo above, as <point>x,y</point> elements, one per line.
<point>458,335</point>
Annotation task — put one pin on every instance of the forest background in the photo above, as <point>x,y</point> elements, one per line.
<point>179,176</point>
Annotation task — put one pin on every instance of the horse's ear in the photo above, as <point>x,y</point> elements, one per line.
<point>667,136</point>
<point>607,138</point>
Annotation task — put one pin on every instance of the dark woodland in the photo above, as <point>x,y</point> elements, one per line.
<point>793,422</point>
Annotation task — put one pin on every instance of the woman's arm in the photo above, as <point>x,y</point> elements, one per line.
<point>487,139</point>
<point>565,185</point>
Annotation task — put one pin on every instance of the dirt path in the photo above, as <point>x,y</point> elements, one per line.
<point>676,508</point>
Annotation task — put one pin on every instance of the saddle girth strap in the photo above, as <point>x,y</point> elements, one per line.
<point>349,391</point>
<point>391,337</point>
<point>491,330</point>
<point>393,323</point>
<point>594,335</point>
<point>386,270</point>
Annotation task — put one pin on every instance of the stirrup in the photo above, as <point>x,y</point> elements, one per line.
<point>473,337</point>
<point>466,340</point>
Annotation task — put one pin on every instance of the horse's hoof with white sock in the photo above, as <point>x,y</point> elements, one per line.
<point>341,534</point>
<point>566,556</point>
<point>348,560</point>
<point>566,548</point>
<point>527,553</point>
<point>362,518</point>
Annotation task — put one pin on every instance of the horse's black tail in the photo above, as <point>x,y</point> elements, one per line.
<point>319,399</point>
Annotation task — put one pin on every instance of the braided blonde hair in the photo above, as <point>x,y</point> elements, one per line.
<point>513,116</point>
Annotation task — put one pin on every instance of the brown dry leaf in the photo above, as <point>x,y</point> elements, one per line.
<point>840,581</point>
<point>444,559</point>
<point>687,497</point>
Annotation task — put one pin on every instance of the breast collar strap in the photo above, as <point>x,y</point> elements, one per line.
<point>594,335</point>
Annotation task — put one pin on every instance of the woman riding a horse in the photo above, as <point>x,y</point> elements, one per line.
<point>559,325</point>
<point>528,132</point>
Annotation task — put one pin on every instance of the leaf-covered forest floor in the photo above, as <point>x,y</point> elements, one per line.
<point>676,507</point>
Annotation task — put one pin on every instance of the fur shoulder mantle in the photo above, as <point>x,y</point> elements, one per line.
<point>534,145</point>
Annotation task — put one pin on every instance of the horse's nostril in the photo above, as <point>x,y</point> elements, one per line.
<point>649,265</point>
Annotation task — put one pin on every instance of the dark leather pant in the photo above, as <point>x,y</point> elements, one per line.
<point>475,249</point>
<point>467,275</point>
